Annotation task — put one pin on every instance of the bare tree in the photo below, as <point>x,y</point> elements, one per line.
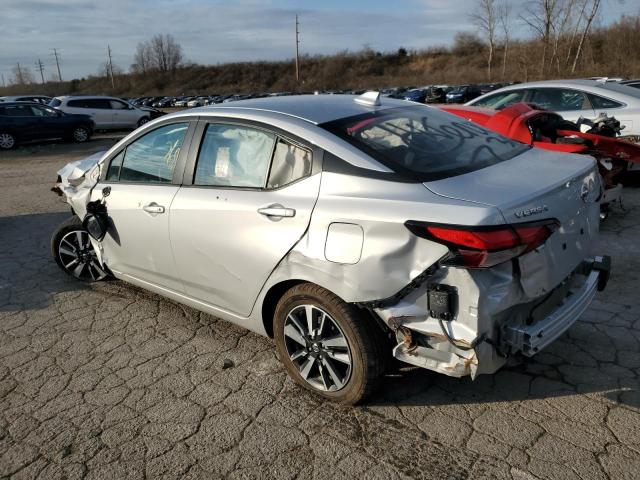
<point>21,75</point>
<point>485,18</point>
<point>161,53</point>
<point>142,58</point>
<point>595,6</point>
<point>504,19</point>
<point>563,22</point>
<point>540,15</point>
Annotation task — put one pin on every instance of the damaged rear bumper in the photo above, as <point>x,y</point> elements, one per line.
<point>456,350</point>
<point>530,339</point>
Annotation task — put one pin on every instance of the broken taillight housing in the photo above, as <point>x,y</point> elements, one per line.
<point>485,246</point>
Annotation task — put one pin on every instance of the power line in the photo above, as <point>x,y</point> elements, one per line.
<point>297,59</point>
<point>55,53</point>
<point>110,67</point>
<point>40,68</point>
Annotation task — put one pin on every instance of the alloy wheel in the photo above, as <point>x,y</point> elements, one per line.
<point>80,134</point>
<point>78,256</point>
<point>317,347</point>
<point>7,141</point>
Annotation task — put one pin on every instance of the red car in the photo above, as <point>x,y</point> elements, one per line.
<point>540,128</point>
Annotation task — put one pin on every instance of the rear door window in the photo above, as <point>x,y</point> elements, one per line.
<point>290,163</point>
<point>18,111</point>
<point>99,103</point>
<point>234,156</point>
<point>560,99</point>
<point>423,143</point>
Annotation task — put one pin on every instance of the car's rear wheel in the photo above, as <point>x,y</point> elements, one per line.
<point>73,252</point>
<point>326,345</point>
<point>7,141</point>
<point>142,121</point>
<point>80,134</point>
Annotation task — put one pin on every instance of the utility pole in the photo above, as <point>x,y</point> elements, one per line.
<point>19,74</point>
<point>297,59</point>
<point>3,82</point>
<point>113,85</point>
<point>55,53</point>
<point>40,68</point>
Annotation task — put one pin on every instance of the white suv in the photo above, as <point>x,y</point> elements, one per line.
<point>108,113</point>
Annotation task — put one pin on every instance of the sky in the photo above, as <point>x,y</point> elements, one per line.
<point>219,31</point>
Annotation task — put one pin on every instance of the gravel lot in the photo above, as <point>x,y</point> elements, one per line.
<point>108,381</point>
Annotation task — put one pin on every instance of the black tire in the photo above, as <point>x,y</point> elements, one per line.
<point>143,120</point>
<point>364,338</point>
<point>80,134</point>
<point>7,140</point>
<point>65,239</point>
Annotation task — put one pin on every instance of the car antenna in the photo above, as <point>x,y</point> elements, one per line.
<point>370,98</point>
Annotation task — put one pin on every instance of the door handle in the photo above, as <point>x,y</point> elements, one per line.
<point>277,211</point>
<point>153,207</point>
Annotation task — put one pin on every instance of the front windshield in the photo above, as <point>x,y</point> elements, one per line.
<point>425,143</point>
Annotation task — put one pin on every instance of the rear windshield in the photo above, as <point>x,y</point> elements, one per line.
<point>56,102</point>
<point>425,143</point>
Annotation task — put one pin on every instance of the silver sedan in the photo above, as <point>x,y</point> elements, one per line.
<point>349,229</point>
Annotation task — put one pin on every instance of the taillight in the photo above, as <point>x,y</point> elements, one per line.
<point>483,247</point>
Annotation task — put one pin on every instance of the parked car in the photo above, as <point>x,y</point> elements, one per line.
<point>631,83</point>
<point>573,99</point>
<point>416,95</point>
<point>108,113</point>
<point>436,95</point>
<point>197,102</point>
<point>182,102</point>
<point>153,112</point>
<point>23,121</point>
<point>463,93</point>
<point>543,129</point>
<point>164,102</point>
<point>43,99</point>
<point>336,223</point>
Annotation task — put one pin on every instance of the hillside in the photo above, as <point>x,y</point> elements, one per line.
<point>609,51</point>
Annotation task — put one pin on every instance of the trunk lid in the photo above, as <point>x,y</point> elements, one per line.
<point>539,185</point>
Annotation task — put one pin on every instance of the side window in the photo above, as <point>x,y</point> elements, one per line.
<point>43,112</point>
<point>601,102</point>
<point>501,100</point>
<point>234,156</point>
<point>113,173</point>
<point>76,104</point>
<point>290,163</point>
<point>99,103</point>
<point>18,111</point>
<point>152,157</point>
<point>560,99</point>
<point>117,105</point>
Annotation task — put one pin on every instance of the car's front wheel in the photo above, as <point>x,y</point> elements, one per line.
<point>73,252</point>
<point>142,121</point>
<point>7,141</point>
<point>326,345</point>
<point>80,134</point>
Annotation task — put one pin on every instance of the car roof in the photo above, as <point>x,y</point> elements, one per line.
<point>312,108</point>
<point>592,86</point>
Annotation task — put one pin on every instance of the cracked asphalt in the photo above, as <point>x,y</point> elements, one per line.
<point>108,381</point>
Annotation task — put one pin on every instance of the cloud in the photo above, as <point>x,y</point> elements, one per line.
<point>216,31</point>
